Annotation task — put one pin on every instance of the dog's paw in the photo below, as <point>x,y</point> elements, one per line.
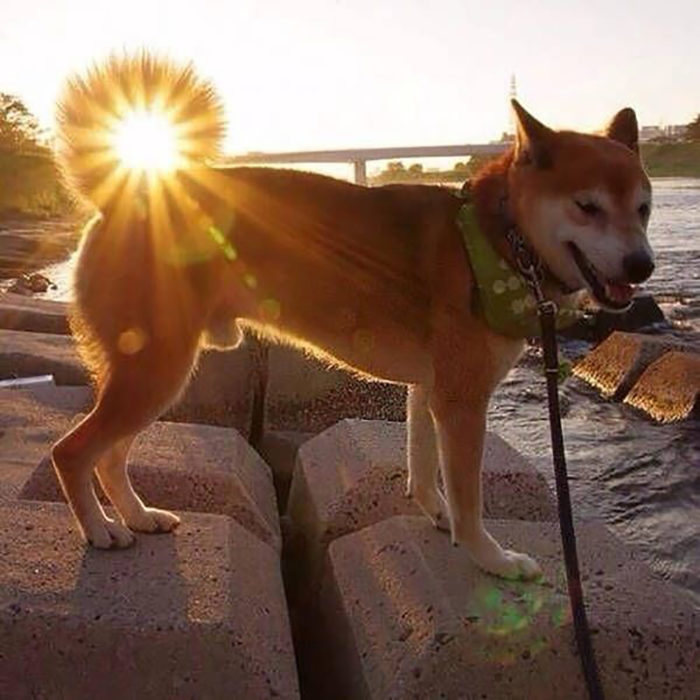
<point>153,521</point>
<point>109,534</point>
<point>433,504</point>
<point>512,565</point>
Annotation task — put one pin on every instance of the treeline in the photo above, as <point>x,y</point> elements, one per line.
<point>30,183</point>
<point>396,171</point>
<point>672,159</point>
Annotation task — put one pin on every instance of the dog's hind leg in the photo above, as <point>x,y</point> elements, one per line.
<point>423,460</point>
<point>112,472</point>
<point>138,388</point>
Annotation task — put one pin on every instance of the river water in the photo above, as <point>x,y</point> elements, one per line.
<point>641,478</point>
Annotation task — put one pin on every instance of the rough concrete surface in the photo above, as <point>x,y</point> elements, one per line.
<point>197,614</point>
<point>30,421</point>
<point>406,615</point>
<point>306,394</point>
<point>18,312</point>
<point>25,354</point>
<point>616,364</point>
<point>197,468</point>
<point>354,474</point>
<point>219,393</point>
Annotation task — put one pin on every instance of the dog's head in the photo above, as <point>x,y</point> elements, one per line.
<point>583,201</point>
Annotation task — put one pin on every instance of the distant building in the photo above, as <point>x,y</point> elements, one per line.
<point>672,132</point>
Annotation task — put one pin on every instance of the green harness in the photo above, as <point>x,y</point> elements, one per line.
<point>502,294</point>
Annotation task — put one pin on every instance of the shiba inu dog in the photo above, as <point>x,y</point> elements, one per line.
<point>375,279</point>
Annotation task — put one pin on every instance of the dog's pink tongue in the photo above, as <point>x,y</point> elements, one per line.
<point>620,292</point>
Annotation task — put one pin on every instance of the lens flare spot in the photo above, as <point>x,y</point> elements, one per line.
<point>363,340</point>
<point>270,310</point>
<point>250,280</point>
<point>146,140</point>
<point>131,341</point>
<point>227,248</point>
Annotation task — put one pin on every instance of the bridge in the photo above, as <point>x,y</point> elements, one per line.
<point>359,157</point>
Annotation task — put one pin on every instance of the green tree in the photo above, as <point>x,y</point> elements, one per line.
<point>19,129</point>
<point>416,169</point>
<point>395,166</point>
<point>692,131</point>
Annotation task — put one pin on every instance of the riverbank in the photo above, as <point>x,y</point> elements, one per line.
<point>672,159</point>
<point>660,160</point>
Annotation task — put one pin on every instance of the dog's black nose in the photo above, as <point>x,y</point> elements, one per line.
<point>638,266</point>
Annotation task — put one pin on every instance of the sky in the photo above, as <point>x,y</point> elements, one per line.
<point>327,74</point>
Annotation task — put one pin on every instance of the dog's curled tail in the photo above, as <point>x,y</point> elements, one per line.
<point>94,106</point>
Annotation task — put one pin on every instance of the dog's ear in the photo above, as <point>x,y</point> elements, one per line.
<point>623,128</point>
<point>532,139</point>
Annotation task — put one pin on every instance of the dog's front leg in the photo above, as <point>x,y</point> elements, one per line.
<point>461,425</point>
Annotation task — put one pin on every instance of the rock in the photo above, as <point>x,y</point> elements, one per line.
<point>598,324</point>
<point>354,474</point>
<point>34,283</point>
<point>304,394</point>
<point>406,615</point>
<point>197,614</point>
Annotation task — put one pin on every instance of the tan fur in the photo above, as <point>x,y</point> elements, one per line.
<point>374,279</point>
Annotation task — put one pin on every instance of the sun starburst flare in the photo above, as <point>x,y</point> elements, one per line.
<point>133,120</point>
<point>146,140</point>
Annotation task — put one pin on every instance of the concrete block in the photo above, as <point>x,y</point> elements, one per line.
<point>30,421</point>
<point>279,449</point>
<point>354,474</point>
<point>22,313</point>
<point>406,615</point>
<point>197,614</point>
<point>28,354</point>
<point>668,389</point>
<point>616,364</point>
<point>220,392</point>
<point>187,467</point>
<point>305,394</point>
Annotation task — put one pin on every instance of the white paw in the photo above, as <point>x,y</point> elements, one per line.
<point>108,534</point>
<point>153,520</point>
<point>511,565</point>
<point>433,504</point>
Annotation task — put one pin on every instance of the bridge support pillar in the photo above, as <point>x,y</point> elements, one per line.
<point>360,172</point>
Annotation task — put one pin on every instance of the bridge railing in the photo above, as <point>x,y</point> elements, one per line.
<point>359,157</point>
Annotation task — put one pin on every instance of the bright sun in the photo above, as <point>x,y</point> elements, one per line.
<point>147,140</point>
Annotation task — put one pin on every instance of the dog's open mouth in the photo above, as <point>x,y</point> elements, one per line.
<point>613,295</point>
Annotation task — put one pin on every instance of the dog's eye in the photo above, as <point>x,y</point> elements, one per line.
<point>644,210</point>
<point>589,208</point>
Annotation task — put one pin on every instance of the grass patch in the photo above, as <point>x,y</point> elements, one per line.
<point>672,159</point>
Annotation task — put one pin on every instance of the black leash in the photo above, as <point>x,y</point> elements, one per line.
<point>546,310</point>
<point>531,268</point>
